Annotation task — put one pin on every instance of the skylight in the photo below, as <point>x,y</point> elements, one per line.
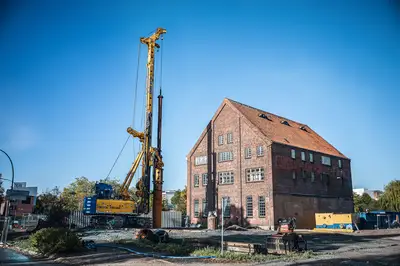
<point>303,128</point>
<point>285,122</point>
<point>264,116</point>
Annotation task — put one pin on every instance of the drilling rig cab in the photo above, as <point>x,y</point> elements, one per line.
<point>110,203</point>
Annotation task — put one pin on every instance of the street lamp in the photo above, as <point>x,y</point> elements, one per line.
<point>12,169</point>
<point>6,221</point>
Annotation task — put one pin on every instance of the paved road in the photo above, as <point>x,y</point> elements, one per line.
<point>10,257</point>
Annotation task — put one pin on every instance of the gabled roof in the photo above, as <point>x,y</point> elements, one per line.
<point>277,129</point>
<point>285,131</point>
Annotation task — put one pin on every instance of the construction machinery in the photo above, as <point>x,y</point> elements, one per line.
<point>118,205</point>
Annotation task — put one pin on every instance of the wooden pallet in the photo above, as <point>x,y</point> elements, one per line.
<point>245,248</point>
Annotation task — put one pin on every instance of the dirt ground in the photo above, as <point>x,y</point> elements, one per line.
<point>370,247</point>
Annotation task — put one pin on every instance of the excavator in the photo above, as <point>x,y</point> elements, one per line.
<point>118,206</point>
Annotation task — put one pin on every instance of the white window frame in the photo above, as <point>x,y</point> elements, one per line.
<point>226,177</point>
<point>255,174</point>
<point>260,151</point>
<point>200,160</point>
<point>229,138</point>
<point>311,155</point>
<point>204,179</point>
<point>196,204</point>
<point>249,206</point>
<point>261,200</point>
<point>225,156</point>
<point>221,140</point>
<point>325,160</point>
<point>247,153</point>
<point>293,153</point>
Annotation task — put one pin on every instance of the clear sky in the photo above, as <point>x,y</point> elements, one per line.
<point>68,71</point>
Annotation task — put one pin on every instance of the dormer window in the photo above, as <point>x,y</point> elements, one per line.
<point>303,128</point>
<point>264,116</point>
<point>284,122</point>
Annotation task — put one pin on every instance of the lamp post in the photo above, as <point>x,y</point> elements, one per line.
<point>7,203</point>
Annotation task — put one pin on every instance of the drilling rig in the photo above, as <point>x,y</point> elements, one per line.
<point>118,205</point>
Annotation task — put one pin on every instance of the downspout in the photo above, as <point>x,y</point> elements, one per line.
<point>240,172</point>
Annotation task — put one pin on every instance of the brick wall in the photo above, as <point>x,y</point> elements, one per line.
<point>302,197</point>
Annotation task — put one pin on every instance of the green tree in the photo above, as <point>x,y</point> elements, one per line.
<point>364,202</point>
<point>390,199</point>
<point>179,200</point>
<point>165,205</point>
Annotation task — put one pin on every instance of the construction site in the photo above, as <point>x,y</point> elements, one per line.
<point>255,187</point>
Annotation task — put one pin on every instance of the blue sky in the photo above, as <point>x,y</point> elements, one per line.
<point>68,69</point>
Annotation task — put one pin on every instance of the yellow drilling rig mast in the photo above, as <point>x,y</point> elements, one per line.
<point>106,203</point>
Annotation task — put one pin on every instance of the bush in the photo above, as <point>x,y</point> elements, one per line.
<point>54,240</point>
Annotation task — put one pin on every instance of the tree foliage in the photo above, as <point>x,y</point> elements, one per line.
<point>390,199</point>
<point>364,202</point>
<point>179,200</point>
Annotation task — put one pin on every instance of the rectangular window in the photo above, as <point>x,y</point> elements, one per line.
<point>249,206</point>
<point>205,179</point>
<point>303,156</point>
<point>260,151</point>
<point>226,177</point>
<point>196,180</point>
<point>261,206</point>
<point>225,156</point>
<point>340,163</point>
<point>220,139</point>
<point>226,206</point>
<point>325,160</point>
<point>312,176</point>
<point>204,208</point>
<point>293,154</point>
<point>196,208</point>
<point>294,174</point>
<point>229,138</point>
<point>200,160</point>
<point>255,174</point>
<point>311,158</point>
<point>247,153</point>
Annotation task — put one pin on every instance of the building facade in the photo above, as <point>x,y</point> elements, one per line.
<point>167,195</point>
<point>374,194</point>
<point>263,167</point>
<point>19,207</point>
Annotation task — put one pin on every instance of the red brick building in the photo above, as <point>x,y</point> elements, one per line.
<point>264,167</point>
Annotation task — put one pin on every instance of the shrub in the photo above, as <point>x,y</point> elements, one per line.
<point>54,240</point>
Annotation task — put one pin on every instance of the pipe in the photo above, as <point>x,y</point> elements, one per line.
<point>93,246</point>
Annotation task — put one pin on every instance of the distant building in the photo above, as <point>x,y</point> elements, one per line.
<point>20,207</point>
<point>374,194</point>
<point>167,195</point>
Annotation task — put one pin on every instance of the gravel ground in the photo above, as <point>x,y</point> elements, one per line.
<point>370,247</point>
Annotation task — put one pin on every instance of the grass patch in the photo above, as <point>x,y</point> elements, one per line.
<point>165,248</point>
<point>233,256</point>
<point>24,244</point>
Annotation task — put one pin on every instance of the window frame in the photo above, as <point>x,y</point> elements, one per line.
<point>260,151</point>
<point>221,177</point>
<point>259,171</point>
<point>227,207</point>
<point>196,184</point>
<point>293,154</point>
<point>225,156</point>
<point>220,140</point>
<point>259,207</point>
<point>229,138</point>
<point>204,207</point>
<point>325,162</point>
<point>194,208</point>
<point>200,160</point>
<point>340,165</point>
<point>303,156</point>
<point>247,153</point>
<point>249,211</point>
<point>311,157</point>
<point>206,179</point>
